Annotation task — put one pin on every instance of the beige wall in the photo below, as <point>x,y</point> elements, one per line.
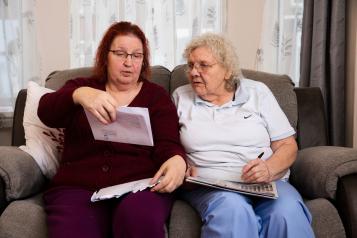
<point>53,35</point>
<point>244,22</point>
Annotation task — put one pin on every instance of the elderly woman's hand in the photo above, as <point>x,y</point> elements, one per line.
<point>100,103</point>
<point>171,175</point>
<point>256,171</point>
<point>191,171</point>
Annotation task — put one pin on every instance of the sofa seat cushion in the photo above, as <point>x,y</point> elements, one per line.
<point>24,218</point>
<point>326,221</point>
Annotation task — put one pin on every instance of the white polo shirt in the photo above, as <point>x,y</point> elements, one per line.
<point>220,140</point>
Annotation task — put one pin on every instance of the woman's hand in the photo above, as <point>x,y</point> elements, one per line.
<point>171,175</point>
<point>100,103</point>
<point>191,171</point>
<point>256,171</point>
<point>261,171</point>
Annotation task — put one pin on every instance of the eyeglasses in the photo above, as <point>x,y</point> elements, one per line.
<point>199,66</point>
<point>137,56</point>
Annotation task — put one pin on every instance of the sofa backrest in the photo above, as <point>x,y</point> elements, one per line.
<point>57,79</point>
<point>281,85</point>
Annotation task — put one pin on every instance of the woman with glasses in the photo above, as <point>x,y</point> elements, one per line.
<point>226,121</point>
<point>120,79</point>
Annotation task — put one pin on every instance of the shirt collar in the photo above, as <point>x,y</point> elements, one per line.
<point>240,96</point>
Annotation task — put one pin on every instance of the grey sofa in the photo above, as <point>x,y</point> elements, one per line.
<point>324,175</point>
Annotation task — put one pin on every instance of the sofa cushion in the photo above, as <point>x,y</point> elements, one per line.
<point>20,173</point>
<point>57,79</point>
<point>282,88</point>
<point>24,218</point>
<point>326,221</point>
<point>184,221</point>
<point>44,144</point>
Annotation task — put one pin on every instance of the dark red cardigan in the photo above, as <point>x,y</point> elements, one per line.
<point>95,164</point>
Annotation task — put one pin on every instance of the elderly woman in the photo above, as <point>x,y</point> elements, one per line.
<point>226,122</point>
<point>120,78</point>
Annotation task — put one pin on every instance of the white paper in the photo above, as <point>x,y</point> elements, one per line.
<point>121,189</point>
<point>132,126</point>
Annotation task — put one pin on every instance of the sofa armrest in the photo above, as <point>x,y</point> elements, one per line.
<point>3,202</point>
<point>18,131</point>
<point>312,130</point>
<point>346,202</point>
<point>21,175</point>
<point>317,170</point>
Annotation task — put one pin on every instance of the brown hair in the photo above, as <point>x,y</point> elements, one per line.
<point>120,28</point>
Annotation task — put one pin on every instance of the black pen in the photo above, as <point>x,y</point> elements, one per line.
<point>260,155</point>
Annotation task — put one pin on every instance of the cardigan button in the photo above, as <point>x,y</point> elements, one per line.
<point>105,168</point>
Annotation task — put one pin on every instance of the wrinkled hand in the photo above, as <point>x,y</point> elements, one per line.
<point>100,103</point>
<point>191,171</point>
<point>256,171</point>
<point>172,173</point>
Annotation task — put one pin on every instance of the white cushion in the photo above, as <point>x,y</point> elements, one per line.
<point>44,144</point>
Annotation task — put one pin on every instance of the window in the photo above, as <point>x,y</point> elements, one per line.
<point>18,53</point>
<point>279,51</point>
<point>9,57</point>
<point>168,25</point>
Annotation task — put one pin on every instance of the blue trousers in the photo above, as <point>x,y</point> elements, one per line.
<point>228,214</point>
<point>70,213</point>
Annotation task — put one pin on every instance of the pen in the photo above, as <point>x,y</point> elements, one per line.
<point>260,155</point>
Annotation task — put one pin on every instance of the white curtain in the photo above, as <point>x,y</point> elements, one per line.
<point>19,59</point>
<point>168,25</point>
<point>279,50</point>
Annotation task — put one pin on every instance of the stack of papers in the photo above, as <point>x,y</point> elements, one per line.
<point>121,189</point>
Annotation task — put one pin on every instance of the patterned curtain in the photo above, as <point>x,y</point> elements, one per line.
<point>168,24</point>
<point>19,59</point>
<point>279,50</point>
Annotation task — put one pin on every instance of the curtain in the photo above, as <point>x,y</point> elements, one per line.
<point>279,49</point>
<point>168,25</point>
<point>19,59</point>
<point>323,59</point>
